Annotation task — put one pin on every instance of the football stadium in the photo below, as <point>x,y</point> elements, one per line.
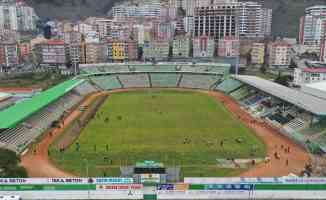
<point>165,131</point>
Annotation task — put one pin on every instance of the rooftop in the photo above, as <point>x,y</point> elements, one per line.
<point>315,70</point>
<point>302,100</point>
<point>13,115</point>
<point>4,96</point>
<point>319,86</point>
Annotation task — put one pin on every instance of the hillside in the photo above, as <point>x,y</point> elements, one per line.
<point>286,13</point>
<point>71,9</point>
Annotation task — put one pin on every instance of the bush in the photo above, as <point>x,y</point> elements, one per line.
<point>9,165</point>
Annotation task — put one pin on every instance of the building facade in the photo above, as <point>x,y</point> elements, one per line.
<point>93,53</point>
<point>181,47</point>
<point>257,53</point>
<point>155,49</point>
<point>150,9</point>
<point>203,46</point>
<point>254,20</point>
<point>279,54</point>
<point>163,31</point>
<point>322,54</point>
<point>313,27</point>
<point>9,56</point>
<point>52,52</point>
<point>121,50</point>
<point>217,19</point>
<point>17,17</point>
<point>24,50</point>
<point>309,75</point>
<point>228,47</point>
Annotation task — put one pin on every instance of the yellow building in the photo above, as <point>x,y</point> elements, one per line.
<point>118,50</point>
<point>258,53</point>
<point>122,50</point>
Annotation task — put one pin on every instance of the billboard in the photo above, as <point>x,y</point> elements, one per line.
<point>120,187</point>
<point>150,178</point>
<point>107,180</point>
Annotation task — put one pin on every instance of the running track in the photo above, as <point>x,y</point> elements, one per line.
<point>39,165</point>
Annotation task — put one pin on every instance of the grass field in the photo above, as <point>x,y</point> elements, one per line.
<point>153,125</point>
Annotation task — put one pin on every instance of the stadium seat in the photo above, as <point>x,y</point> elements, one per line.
<point>134,80</point>
<point>107,82</point>
<point>164,80</point>
<point>229,85</point>
<point>198,81</point>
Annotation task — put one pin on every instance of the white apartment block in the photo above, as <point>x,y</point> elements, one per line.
<point>279,54</point>
<point>18,18</point>
<point>254,20</point>
<point>188,23</point>
<point>313,27</point>
<point>83,28</point>
<point>143,10</point>
<point>309,75</point>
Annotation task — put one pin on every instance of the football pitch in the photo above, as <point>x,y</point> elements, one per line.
<point>178,128</point>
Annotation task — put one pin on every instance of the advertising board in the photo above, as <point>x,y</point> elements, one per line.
<point>150,178</point>
<point>107,180</point>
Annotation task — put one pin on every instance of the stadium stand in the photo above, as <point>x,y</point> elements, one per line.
<point>218,68</point>
<point>194,68</point>
<point>296,114</point>
<point>312,104</point>
<point>85,88</point>
<point>114,68</point>
<point>164,80</point>
<point>139,80</point>
<point>229,85</point>
<point>89,70</point>
<point>152,68</point>
<point>7,103</point>
<point>253,100</point>
<point>18,136</point>
<point>106,82</point>
<point>21,111</point>
<point>241,93</point>
<point>199,81</point>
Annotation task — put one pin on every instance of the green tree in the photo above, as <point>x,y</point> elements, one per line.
<point>282,79</point>
<point>9,165</point>
<point>263,69</point>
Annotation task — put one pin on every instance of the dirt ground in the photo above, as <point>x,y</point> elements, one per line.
<point>39,165</point>
<point>274,141</point>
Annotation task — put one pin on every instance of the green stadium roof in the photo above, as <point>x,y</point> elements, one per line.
<point>20,111</point>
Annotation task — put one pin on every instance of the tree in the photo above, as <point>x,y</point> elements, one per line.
<point>293,64</point>
<point>9,165</point>
<point>263,69</point>
<point>283,79</point>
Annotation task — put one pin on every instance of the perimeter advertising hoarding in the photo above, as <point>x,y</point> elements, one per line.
<point>241,180</point>
<point>113,180</point>
<point>107,180</point>
<point>213,191</point>
<point>150,178</point>
<point>120,191</point>
<point>120,187</point>
<point>73,191</point>
<point>178,186</point>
